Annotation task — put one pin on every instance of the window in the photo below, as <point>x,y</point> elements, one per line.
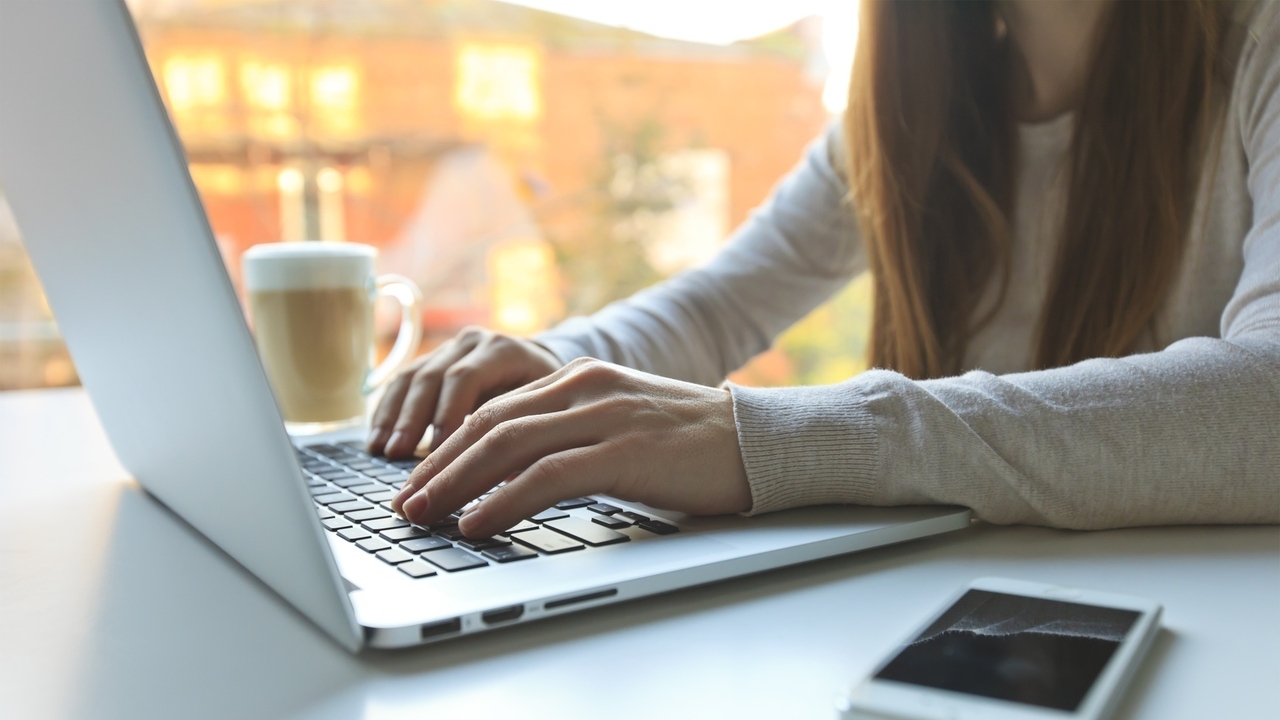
<point>498,83</point>
<point>519,165</point>
<point>193,83</point>
<point>335,100</point>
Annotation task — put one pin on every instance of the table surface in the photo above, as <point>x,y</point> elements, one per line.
<point>112,607</point>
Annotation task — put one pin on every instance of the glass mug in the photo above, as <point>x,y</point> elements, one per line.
<point>311,306</point>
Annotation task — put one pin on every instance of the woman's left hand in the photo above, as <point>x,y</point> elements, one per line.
<point>590,427</point>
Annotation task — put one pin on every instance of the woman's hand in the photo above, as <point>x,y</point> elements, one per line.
<point>590,427</point>
<point>446,385</point>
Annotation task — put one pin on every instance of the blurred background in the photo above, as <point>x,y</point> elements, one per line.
<point>521,162</point>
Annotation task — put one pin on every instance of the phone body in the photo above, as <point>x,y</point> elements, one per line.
<point>1012,650</point>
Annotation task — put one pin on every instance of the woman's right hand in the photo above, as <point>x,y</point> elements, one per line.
<point>441,388</point>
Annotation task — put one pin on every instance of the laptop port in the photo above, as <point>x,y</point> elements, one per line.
<point>580,599</point>
<point>441,628</point>
<point>501,615</point>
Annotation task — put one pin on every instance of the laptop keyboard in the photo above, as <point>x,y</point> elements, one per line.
<point>352,492</point>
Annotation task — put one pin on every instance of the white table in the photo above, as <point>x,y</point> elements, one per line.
<point>111,607</point>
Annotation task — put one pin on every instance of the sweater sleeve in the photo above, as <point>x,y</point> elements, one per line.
<point>799,248</point>
<point>1190,434</point>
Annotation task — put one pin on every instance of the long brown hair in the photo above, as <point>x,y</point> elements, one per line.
<point>931,140</point>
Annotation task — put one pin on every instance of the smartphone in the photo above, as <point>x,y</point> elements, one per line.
<point>1012,650</point>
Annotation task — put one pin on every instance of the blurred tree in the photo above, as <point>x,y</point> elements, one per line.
<point>828,346</point>
<point>604,260</point>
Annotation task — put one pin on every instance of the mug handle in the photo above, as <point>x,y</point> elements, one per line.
<point>410,298</point>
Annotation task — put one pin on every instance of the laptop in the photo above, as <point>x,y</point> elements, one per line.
<point>98,182</point>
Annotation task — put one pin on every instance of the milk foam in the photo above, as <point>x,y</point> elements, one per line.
<point>307,265</point>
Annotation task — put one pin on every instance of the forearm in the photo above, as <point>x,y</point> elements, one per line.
<point>1187,435</point>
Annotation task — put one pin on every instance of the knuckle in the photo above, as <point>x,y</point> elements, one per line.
<point>591,372</point>
<point>425,469</point>
<point>487,416</point>
<point>504,436</point>
<point>424,374</point>
<point>472,333</point>
<point>549,469</point>
<point>458,371</point>
<point>503,344</point>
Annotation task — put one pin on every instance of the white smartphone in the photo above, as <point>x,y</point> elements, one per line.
<point>1012,650</point>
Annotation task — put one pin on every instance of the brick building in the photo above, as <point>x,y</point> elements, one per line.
<point>331,119</point>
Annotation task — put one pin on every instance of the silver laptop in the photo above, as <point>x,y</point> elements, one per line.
<point>99,185</point>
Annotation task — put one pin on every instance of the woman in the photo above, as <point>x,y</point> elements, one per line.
<point>1078,203</point>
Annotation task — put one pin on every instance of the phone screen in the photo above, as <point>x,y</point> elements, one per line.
<point>1012,647</point>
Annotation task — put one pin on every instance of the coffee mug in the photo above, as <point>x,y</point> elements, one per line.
<point>311,307</point>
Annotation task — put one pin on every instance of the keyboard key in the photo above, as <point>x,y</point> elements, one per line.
<point>604,508</point>
<point>334,473</point>
<point>331,498</point>
<point>522,526</point>
<point>450,531</point>
<point>386,522</point>
<point>380,497</point>
<point>387,472</point>
<point>350,480</point>
<point>350,506</point>
<point>394,556</point>
<point>416,569</point>
<point>549,514</point>
<point>659,527</point>
<point>547,541</point>
<point>353,534</point>
<point>587,532</point>
<point>364,465</point>
<point>326,513</point>
<point>612,522</point>
<point>336,523</point>
<point>509,553</point>
<point>361,516</point>
<point>424,544</point>
<point>321,489</point>
<point>574,503</point>
<point>632,516</point>
<point>482,543</point>
<point>366,488</point>
<point>453,559</point>
<point>405,533</point>
<point>406,465</point>
<point>373,544</point>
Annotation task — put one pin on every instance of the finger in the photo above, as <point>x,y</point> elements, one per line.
<point>481,423</point>
<point>420,400</point>
<point>468,384</point>
<point>567,474</point>
<point>501,453</point>
<point>389,409</point>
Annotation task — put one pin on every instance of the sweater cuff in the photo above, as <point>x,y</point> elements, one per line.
<point>806,445</point>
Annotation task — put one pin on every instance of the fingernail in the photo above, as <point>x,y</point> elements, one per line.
<point>413,507</point>
<point>376,437</point>
<point>402,495</point>
<point>397,438</point>
<point>470,521</point>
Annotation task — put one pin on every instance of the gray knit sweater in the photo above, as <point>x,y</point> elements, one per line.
<point>1187,431</point>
